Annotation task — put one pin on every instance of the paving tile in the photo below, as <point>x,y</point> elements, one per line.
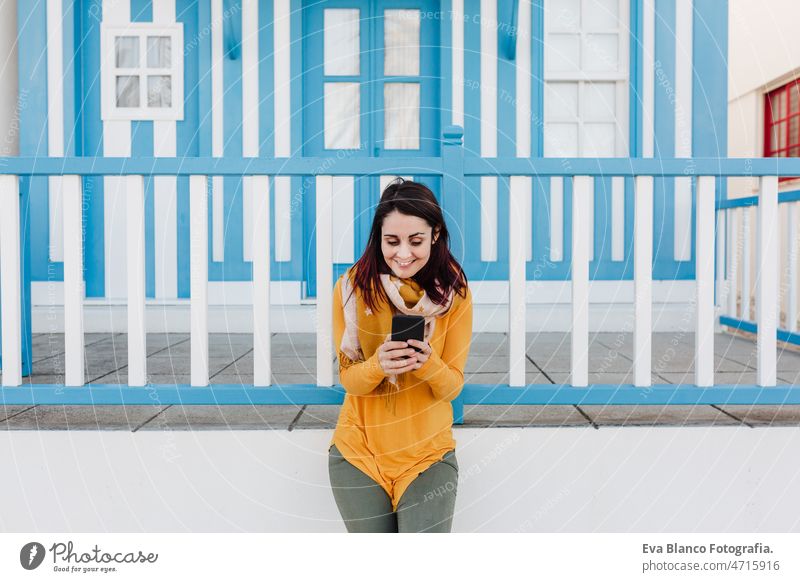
<point>227,343</point>
<point>40,379</point>
<point>790,377</point>
<point>277,378</point>
<point>787,415</point>
<point>490,364</point>
<point>318,416</point>
<point>744,378</point>
<point>287,350</point>
<point>47,345</point>
<point>283,364</point>
<point>646,415</point>
<point>531,377</point>
<point>174,365</point>
<point>122,378</point>
<point>229,417</point>
<point>489,344</point>
<point>612,378</point>
<point>8,411</point>
<point>81,417</point>
<point>522,415</point>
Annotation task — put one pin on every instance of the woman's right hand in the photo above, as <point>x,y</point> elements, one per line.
<point>391,357</point>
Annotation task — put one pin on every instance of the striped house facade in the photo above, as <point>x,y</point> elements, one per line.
<point>285,78</point>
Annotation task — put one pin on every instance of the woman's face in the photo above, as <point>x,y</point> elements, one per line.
<point>406,243</point>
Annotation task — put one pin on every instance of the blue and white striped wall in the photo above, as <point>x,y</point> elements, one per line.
<point>252,106</point>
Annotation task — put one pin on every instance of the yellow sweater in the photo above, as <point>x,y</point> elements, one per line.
<point>393,448</point>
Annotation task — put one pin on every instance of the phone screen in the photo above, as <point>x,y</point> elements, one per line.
<point>406,327</point>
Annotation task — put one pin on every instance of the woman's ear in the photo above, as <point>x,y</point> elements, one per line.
<point>435,235</point>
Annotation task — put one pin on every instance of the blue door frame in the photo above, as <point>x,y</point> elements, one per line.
<point>371,78</point>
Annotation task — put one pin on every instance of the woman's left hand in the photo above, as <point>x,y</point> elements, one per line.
<point>422,356</point>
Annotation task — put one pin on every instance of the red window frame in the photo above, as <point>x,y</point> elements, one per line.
<point>782,122</point>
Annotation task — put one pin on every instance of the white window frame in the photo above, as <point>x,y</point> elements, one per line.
<point>621,77</point>
<point>109,72</point>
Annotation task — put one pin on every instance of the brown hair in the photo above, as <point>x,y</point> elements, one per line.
<point>440,275</point>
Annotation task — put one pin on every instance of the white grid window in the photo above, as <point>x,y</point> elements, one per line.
<point>586,78</point>
<point>142,71</point>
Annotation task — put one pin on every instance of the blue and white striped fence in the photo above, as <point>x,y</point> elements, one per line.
<point>452,167</point>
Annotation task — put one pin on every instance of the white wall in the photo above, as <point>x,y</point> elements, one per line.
<point>702,479</point>
<point>763,43</point>
<point>764,53</point>
<point>9,118</point>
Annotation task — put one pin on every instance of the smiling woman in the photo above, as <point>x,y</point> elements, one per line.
<point>393,444</point>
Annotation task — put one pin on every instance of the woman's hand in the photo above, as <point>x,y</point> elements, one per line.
<point>423,355</point>
<point>396,357</point>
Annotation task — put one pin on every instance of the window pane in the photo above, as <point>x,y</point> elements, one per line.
<point>776,104</point>
<point>561,101</point>
<point>598,140</point>
<point>563,14</point>
<point>773,139</point>
<point>159,52</point>
<point>794,130</point>
<point>128,91</point>
<point>341,41</point>
<point>600,14</point>
<point>782,135</point>
<point>794,152</point>
<point>561,140</point>
<point>599,102</point>
<point>342,109</point>
<point>600,52</point>
<point>401,116</point>
<point>794,98</point>
<point>562,52</point>
<point>159,91</point>
<point>127,51</point>
<point>401,42</point>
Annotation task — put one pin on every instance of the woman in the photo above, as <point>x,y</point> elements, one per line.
<point>392,461</point>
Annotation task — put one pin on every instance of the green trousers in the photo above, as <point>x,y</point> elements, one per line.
<point>426,505</point>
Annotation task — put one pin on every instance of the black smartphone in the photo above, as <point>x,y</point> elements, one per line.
<point>406,327</point>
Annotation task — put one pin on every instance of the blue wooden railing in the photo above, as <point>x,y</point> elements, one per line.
<point>453,166</point>
<point>730,318</point>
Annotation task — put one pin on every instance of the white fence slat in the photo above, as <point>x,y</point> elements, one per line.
<point>582,189</point>
<point>324,281</point>
<point>746,242</point>
<point>556,218</point>
<point>791,240</point>
<point>643,280</point>
<point>55,206</point>
<point>733,261</point>
<point>198,261</point>
<point>618,218</point>
<point>704,281</point>
<point>137,339</point>
<point>721,288</point>
<point>767,281</point>
<point>10,281</point>
<point>74,374</point>
<point>516,281</point>
<point>262,346</point>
